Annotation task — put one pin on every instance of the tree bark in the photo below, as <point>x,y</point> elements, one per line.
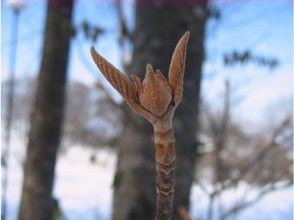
<point>158,28</point>
<point>47,116</point>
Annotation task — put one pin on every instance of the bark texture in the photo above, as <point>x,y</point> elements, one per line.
<point>47,116</point>
<point>158,28</point>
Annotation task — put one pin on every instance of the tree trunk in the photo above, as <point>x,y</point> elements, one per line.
<point>159,26</point>
<point>47,116</point>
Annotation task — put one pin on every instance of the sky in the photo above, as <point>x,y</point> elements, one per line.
<point>266,28</point>
<point>259,96</point>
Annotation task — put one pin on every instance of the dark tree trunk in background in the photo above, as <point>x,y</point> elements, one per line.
<point>159,26</point>
<point>47,116</point>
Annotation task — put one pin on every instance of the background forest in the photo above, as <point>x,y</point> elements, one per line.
<point>72,149</point>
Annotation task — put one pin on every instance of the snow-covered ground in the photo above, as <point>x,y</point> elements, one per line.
<point>84,189</point>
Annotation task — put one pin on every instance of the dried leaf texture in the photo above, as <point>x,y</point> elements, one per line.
<point>118,80</point>
<point>177,68</point>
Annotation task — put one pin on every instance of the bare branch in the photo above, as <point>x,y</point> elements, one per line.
<point>269,189</point>
<point>260,156</point>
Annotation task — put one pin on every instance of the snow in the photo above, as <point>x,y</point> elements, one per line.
<point>82,184</point>
<point>84,188</point>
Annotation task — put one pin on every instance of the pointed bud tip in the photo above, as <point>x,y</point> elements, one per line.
<point>134,77</point>
<point>149,76</point>
<point>186,35</point>
<point>93,52</point>
<point>149,67</point>
<point>159,75</point>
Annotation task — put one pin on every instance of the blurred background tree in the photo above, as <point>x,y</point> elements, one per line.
<point>47,115</point>
<point>158,27</point>
<point>233,158</point>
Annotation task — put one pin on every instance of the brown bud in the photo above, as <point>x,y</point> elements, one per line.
<point>156,93</point>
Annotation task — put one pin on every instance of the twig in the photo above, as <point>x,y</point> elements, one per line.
<point>262,193</point>
<point>260,156</point>
<point>156,100</point>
